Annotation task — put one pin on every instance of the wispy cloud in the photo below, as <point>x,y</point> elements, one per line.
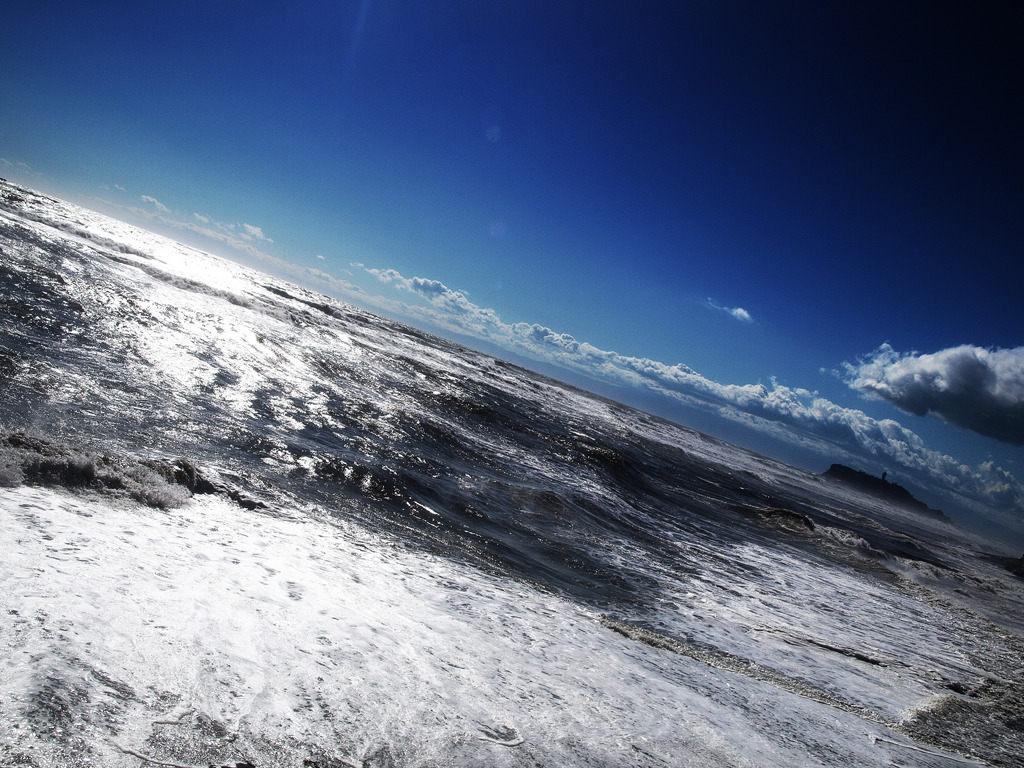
<point>337,285</point>
<point>18,165</point>
<point>979,389</point>
<point>155,203</point>
<point>792,414</point>
<point>209,230</point>
<point>251,232</point>
<point>738,312</point>
<point>225,231</point>
<point>119,188</point>
<point>238,237</point>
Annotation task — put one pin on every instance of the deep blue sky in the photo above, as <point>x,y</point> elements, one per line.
<point>847,175</point>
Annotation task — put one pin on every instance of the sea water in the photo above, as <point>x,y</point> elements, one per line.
<point>246,524</point>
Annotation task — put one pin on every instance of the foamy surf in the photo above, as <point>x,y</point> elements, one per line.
<point>209,635</point>
<point>247,525</point>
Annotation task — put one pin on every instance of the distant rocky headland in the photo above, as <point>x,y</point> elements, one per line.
<point>882,489</point>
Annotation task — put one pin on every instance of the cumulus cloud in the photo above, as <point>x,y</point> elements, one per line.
<point>793,414</point>
<point>155,203</point>
<point>979,389</point>
<point>454,309</point>
<point>738,312</point>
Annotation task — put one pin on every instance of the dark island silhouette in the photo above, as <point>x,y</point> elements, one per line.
<point>882,489</point>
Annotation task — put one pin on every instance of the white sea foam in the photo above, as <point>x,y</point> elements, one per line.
<point>302,632</point>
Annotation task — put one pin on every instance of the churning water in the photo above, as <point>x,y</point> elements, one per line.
<point>247,524</point>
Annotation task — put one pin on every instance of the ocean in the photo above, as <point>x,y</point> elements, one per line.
<point>246,524</point>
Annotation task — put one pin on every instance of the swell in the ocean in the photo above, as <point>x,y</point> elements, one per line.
<point>368,545</point>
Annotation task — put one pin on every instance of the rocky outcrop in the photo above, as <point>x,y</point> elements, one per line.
<point>882,489</point>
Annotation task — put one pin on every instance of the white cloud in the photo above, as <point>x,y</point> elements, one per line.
<point>320,256</point>
<point>255,233</point>
<point>214,232</point>
<point>119,188</point>
<point>792,414</point>
<point>17,166</point>
<point>738,312</point>
<point>240,237</point>
<point>336,285</point>
<point>456,311</point>
<point>155,203</point>
<point>979,389</point>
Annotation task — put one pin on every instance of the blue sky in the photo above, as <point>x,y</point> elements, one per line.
<point>752,198</point>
